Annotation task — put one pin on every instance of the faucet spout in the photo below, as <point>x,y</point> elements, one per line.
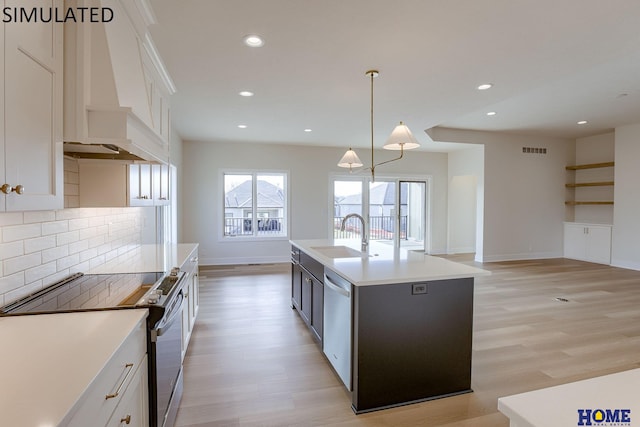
<point>364,246</point>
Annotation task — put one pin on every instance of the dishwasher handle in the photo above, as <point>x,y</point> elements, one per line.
<point>337,288</point>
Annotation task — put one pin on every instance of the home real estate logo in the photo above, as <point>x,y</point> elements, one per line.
<point>604,417</point>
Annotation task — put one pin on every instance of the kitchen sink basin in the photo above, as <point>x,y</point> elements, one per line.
<point>338,251</point>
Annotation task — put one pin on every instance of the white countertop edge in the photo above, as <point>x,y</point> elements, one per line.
<point>46,349</point>
<point>387,268</point>
<point>558,406</point>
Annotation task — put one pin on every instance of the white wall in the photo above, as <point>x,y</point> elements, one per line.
<point>625,251</point>
<point>593,149</point>
<point>466,199</point>
<point>523,193</point>
<point>309,171</point>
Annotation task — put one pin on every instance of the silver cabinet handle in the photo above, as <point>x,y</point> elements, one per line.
<point>124,380</point>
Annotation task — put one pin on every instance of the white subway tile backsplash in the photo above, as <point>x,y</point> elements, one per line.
<point>78,246</point>
<point>12,233</point>
<point>54,227</point>
<point>10,250</point>
<point>39,272</point>
<point>39,244</point>
<point>67,262</point>
<point>55,253</point>
<point>11,218</point>
<point>41,247</point>
<point>68,237</point>
<point>21,263</point>
<point>39,216</point>
<point>78,223</point>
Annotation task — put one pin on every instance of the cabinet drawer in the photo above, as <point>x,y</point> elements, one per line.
<point>105,392</point>
<point>312,266</point>
<point>133,409</point>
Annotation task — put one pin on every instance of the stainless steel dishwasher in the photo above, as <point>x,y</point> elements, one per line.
<point>336,343</point>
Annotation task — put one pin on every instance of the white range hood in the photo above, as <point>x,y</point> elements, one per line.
<point>117,89</point>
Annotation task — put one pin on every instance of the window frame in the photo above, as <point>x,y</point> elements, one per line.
<point>254,173</point>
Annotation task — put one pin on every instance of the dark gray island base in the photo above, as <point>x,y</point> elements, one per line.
<point>408,321</point>
<point>410,347</point>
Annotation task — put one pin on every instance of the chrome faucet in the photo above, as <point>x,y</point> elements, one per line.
<point>365,243</point>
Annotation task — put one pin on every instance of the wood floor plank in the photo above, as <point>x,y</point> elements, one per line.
<point>253,362</point>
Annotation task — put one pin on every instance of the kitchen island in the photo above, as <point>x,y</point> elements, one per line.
<point>409,323</point>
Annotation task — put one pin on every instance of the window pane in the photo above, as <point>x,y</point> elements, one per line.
<point>270,212</point>
<point>382,210</point>
<point>347,198</point>
<point>238,205</point>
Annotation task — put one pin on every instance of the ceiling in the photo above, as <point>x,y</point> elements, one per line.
<point>552,63</point>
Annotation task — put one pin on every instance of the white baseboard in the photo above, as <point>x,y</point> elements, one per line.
<point>629,265</point>
<point>462,250</point>
<point>521,257</point>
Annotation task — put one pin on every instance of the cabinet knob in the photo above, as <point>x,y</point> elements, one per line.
<point>7,189</point>
<point>126,420</point>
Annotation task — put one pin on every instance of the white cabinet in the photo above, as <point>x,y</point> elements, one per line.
<point>116,183</point>
<point>192,303</point>
<point>587,242</point>
<point>31,159</point>
<point>119,392</point>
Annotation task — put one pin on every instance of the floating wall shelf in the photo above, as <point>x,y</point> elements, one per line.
<point>575,203</point>
<point>590,166</point>
<point>590,184</point>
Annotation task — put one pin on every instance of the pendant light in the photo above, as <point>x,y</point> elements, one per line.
<point>401,139</point>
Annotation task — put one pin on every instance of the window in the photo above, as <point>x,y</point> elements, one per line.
<point>255,204</point>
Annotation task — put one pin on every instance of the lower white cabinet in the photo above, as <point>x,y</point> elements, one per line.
<point>119,395</point>
<point>587,242</point>
<point>192,303</point>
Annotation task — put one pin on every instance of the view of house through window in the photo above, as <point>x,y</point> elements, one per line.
<point>255,204</point>
<point>394,210</point>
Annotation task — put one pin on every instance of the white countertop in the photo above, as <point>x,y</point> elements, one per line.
<point>558,406</point>
<point>147,259</point>
<point>47,361</point>
<point>387,265</point>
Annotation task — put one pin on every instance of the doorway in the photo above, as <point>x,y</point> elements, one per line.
<point>394,209</point>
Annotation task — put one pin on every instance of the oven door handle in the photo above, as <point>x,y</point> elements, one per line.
<point>175,312</point>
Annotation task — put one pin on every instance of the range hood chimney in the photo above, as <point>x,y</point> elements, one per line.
<point>116,86</point>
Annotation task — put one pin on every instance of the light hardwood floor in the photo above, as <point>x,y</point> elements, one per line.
<point>252,361</point>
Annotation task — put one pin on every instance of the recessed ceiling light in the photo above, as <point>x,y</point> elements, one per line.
<point>307,130</point>
<point>485,86</point>
<point>245,93</point>
<point>491,113</point>
<point>582,122</point>
<point>253,41</point>
<point>242,126</point>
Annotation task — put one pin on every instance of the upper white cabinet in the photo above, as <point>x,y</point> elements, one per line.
<point>31,159</point>
<point>587,242</point>
<point>117,89</point>
<point>114,183</point>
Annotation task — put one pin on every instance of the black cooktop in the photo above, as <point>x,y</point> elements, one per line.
<point>86,292</point>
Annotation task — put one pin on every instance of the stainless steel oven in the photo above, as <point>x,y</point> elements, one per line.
<point>162,294</point>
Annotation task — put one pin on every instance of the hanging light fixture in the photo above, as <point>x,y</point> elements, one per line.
<point>401,139</point>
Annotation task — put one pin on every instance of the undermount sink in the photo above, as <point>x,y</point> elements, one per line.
<point>338,251</point>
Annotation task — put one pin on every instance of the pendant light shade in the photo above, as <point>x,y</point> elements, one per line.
<point>350,160</point>
<point>401,138</point>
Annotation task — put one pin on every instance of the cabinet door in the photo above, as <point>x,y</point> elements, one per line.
<point>186,328</point>
<point>598,244</point>
<point>160,180</point>
<point>296,286</point>
<point>193,298</point>
<point>317,309</point>
<point>305,303</point>
<point>140,185</point>
<point>575,241</point>
<point>33,111</point>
